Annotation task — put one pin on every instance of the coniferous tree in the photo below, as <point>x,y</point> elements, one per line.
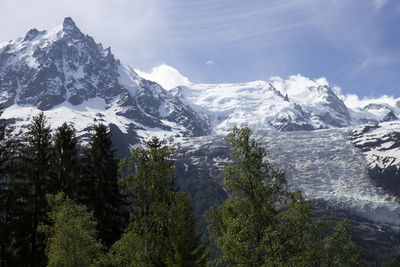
<point>36,167</point>
<point>161,219</point>
<point>65,164</point>
<point>99,186</point>
<point>13,241</point>
<point>71,235</point>
<point>15,220</point>
<point>186,247</point>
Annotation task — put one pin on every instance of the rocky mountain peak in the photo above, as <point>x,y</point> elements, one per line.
<point>31,35</point>
<point>336,113</point>
<point>69,25</point>
<point>63,67</point>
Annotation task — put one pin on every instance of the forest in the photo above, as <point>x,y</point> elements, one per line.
<point>64,203</point>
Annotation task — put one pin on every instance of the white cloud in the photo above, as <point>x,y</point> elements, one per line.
<point>210,63</point>
<point>352,101</point>
<point>168,77</point>
<point>296,85</point>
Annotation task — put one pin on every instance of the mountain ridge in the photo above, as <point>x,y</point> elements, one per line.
<point>48,68</point>
<point>348,157</point>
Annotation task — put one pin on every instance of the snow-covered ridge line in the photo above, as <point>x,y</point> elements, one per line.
<point>304,104</point>
<point>46,68</point>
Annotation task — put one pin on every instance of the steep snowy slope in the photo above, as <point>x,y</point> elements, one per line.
<point>66,74</point>
<point>256,104</point>
<point>260,105</point>
<point>380,144</point>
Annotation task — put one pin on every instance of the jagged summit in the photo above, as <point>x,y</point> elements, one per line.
<point>69,27</point>
<point>31,35</point>
<point>69,24</point>
<point>62,67</point>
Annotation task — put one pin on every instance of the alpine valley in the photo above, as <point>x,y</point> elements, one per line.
<point>346,160</point>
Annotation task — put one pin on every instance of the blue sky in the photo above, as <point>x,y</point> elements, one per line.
<point>354,44</point>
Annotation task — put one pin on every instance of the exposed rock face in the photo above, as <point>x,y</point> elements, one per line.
<point>72,78</point>
<point>47,68</point>
<point>380,144</point>
<point>390,117</point>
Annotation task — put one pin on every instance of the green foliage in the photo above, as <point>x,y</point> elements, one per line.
<point>72,235</point>
<point>14,220</point>
<point>36,167</point>
<point>339,249</point>
<point>162,230</point>
<point>262,223</point>
<point>149,176</point>
<point>205,193</point>
<point>99,186</point>
<point>65,164</point>
<point>186,249</point>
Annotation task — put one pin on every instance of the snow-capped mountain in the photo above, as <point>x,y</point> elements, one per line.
<point>63,71</point>
<point>322,144</point>
<point>67,74</point>
<point>259,105</point>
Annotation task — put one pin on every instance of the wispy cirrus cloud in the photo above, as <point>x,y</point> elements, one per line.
<point>353,43</point>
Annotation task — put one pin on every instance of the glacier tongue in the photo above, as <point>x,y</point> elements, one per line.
<point>325,165</point>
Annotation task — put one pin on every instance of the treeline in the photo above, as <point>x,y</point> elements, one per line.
<point>63,204</point>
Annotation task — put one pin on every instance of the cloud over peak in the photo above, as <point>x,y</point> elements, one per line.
<point>294,85</point>
<point>165,75</point>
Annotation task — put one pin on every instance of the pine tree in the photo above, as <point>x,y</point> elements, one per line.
<point>36,167</point>
<point>99,186</point>
<point>186,247</point>
<point>12,193</point>
<point>262,223</point>
<point>161,219</point>
<point>15,220</point>
<point>72,235</point>
<point>65,164</point>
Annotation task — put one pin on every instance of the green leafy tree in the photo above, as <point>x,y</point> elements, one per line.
<point>262,223</point>
<point>99,189</point>
<point>149,176</point>
<point>36,167</point>
<point>339,249</point>
<point>72,235</point>
<point>158,213</point>
<point>65,164</point>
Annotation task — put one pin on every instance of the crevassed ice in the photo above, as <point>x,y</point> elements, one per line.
<point>325,165</point>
